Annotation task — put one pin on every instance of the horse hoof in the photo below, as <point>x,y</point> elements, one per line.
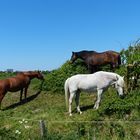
<point>80,112</point>
<point>70,114</point>
<point>95,108</point>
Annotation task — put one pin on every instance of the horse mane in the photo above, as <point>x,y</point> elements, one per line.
<point>85,51</point>
<point>27,73</point>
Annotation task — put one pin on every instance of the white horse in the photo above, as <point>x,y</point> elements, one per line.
<point>98,81</point>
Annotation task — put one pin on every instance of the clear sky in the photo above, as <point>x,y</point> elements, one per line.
<point>41,34</point>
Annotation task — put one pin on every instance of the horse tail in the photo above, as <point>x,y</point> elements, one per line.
<point>119,60</point>
<point>67,93</point>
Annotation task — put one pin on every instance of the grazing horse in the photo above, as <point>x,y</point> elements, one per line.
<point>94,59</point>
<point>20,82</point>
<point>98,81</point>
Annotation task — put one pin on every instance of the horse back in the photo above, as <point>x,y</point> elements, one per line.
<point>102,58</point>
<point>98,59</point>
<point>14,84</point>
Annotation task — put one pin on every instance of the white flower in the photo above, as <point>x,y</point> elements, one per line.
<point>23,120</point>
<point>17,132</point>
<point>20,122</point>
<point>26,126</point>
<point>26,121</point>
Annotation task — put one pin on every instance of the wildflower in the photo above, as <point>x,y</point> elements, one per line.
<point>17,132</point>
<point>20,122</point>
<point>26,126</point>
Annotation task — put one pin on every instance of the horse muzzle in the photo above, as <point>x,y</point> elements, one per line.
<point>122,96</point>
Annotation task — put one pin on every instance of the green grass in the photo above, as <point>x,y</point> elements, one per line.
<point>24,118</point>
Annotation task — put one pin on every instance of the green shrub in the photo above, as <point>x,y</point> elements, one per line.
<point>6,134</point>
<point>114,105</point>
<point>55,80</point>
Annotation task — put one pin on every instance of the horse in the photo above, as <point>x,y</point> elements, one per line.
<point>94,59</point>
<point>19,82</point>
<point>98,81</point>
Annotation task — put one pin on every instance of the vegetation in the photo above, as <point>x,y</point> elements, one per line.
<point>131,55</point>
<point>116,118</point>
<point>55,79</point>
<point>131,59</point>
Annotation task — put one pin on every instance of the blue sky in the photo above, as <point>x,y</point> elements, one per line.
<point>41,34</point>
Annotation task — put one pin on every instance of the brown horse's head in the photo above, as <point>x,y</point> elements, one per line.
<point>73,57</point>
<point>39,75</point>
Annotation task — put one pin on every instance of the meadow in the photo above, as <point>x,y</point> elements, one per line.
<point>115,119</point>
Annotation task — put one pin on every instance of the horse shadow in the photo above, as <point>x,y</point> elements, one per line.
<point>24,101</point>
<point>84,108</point>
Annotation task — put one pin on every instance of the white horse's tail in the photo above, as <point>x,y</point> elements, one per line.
<point>67,93</point>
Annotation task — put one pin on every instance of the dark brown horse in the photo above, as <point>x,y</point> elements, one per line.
<point>20,82</point>
<point>94,59</point>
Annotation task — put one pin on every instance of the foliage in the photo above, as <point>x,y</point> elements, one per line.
<point>6,134</point>
<point>113,105</point>
<point>55,80</point>
<point>6,74</point>
<point>131,58</point>
<point>132,54</point>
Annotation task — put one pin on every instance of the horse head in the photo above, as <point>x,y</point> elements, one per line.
<point>40,75</point>
<point>33,74</point>
<point>73,57</point>
<point>119,85</point>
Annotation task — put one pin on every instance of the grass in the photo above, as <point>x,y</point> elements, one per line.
<point>21,120</point>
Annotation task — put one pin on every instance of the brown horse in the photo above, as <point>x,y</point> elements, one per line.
<point>20,82</point>
<point>94,59</point>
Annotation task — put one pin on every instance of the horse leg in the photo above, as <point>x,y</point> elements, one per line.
<point>89,68</point>
<point>96,69</point>
<point>77,102</point>
<point>70,102</point>
<point>111,67</point>
<point>21,92</point>
<point>96,106</point>
<point>2,94</point>
<point>25,92</point>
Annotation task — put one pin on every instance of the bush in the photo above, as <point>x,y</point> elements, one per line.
<point>114,105</point>
<point>55,80</point>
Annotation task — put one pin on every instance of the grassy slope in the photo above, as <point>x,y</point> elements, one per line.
<point>51,108</point>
